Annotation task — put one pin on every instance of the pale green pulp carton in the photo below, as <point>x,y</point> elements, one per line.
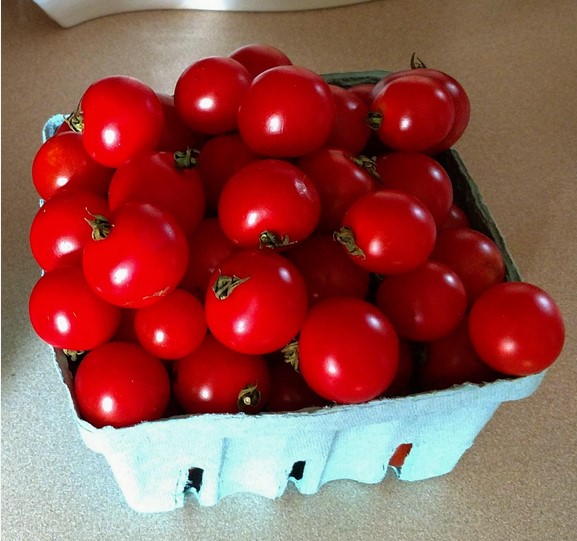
<point>159,465</point>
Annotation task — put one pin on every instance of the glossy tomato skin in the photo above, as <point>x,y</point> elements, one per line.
<point>122,117</point>
<point>474,256</point>
<point>176,135</point>
<point>119,384</point>
<point>455,218</point>
<point>208,93</point>
<point>62,162</point>
<point>350,130</point>
<point>67,314</point>
<point>269,203</point>
<point>210,379</point>
<point>339,180</point>
<point>394,231</point>
<point>142,259</point>
<point>403,383</point>
<point>259,57</point>
<point>456,92</point>
<point>425,303</point>
<point>348,350</point>
<point>452,360</point>
<point>289,391</point>
<point>364,91</point>
<point>288,111</point>
<point>155,178</point>
<point>220,157</point>
<point>173,327</point>
<point>208,247</point>
<point>265,310</point>
<point>420,175</point>
<point>416,113</point>
<point>59,230</point>
<point>516,328</point>
<point>327,270</point>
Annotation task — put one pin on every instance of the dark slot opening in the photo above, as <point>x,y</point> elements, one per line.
<point>298,470</point>
<point>194,479</point>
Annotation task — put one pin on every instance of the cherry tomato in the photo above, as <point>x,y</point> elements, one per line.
<point>288,111</point>
<point>256,301</point>
<point>176,135</point>
<point>173,327</point>
<point>516,328</point>
<point>475,258</point>
<point>425,303</point>
<point>402,385</point>
<point>67,314</point>
<point>364,91</point>
<point>455,218</point>
<point>348,350</point>
<point>216,379</point>
<point>208,247</point>
<point>452,360</point>
<point>456,92</point>
<point>137,257</point>
<point>121,118</point>
<point>62,162</point>
<point>165,180</point>
<point>119,384</point>
<point>400,455</point>
<point>59,231</point>
<point>420,175</point>
<point>327,270</point>
<point>208,93</point>
<point>340,179</point>
<point>350,129</point>
<point>289,391</point>
<point>269,203</point>
<point>388,232</point>
<point>259,57</point>
<point>214,171</point>
<point>412,113</point>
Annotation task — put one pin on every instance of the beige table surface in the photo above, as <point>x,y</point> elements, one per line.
<point>518,62</point>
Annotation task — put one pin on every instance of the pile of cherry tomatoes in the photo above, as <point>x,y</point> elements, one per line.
<point>262,240</point>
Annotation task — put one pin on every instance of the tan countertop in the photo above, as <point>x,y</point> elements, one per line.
<point>517,61</point>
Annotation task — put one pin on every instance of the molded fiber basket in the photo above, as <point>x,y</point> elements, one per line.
<point>156,464</point>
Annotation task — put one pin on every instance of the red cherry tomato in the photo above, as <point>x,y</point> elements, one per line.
<point>455,218</point>
<point>214,171</point>
<point>425,303</point>
<point>122,117</point>
<point>137,257</point>
<point>288,111</point>
<point>256,302</point>
<point>208,247</point>
<point>420,175</point>
<point>516,328</point>
<point>119,384</point>
<point>412,113</point>
<point>160,179</point>
<point>215,379</point>
<point>208,93</point>
<point>173,327</point>
<point>350,129</point>
<point>452,360</point>
<point>59,231</point>
<point>259,57</point>
<point>475,258</point>
<point>388,232</point>
<point>364,91</point>
<point>176,135</point>
<point>62,162</point>
<point>348,350</point>
<point>327,270</point>
<point>269,203</point>
<point>402,385</point>
<point>67,314</point>
<point>340,179</point>
<point>289,391</point>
